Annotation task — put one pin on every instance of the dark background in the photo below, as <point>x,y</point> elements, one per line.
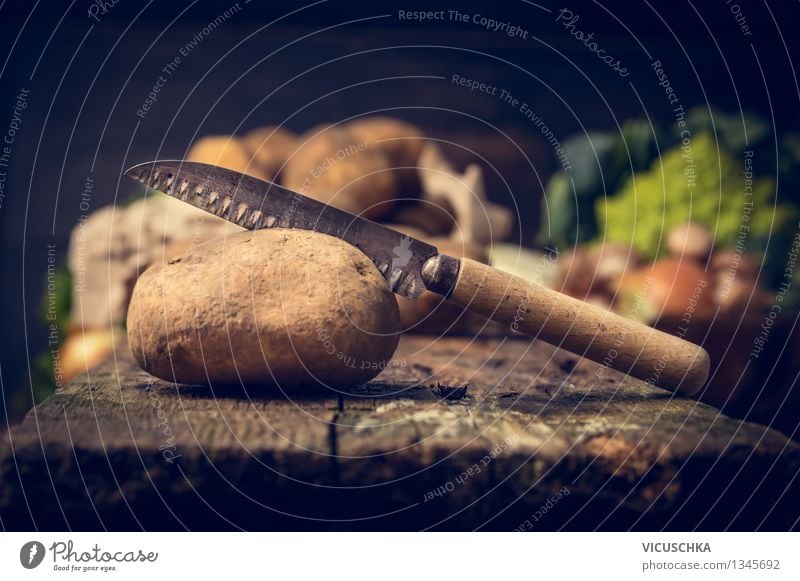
<point>298,65</point>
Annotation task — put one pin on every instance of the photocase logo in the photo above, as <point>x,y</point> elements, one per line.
<point>402,253</point>
<point>100,7</point>
<point>31,554</point>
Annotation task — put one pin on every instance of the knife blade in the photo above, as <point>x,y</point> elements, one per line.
<point>255,204</point>
<point>411,266</point>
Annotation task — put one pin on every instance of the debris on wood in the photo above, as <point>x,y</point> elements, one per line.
<point>451,393</point>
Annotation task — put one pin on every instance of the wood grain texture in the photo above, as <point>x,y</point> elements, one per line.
<point>586,330</point>
<point>410,450</point>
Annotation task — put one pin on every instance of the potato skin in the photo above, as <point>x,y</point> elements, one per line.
<point>331,167</point>
<point>401,141</point>
<point>269,148</point>
<point>272,307</point>
<point>225,151</point>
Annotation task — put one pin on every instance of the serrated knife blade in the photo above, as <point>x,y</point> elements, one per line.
<point>255,204</point>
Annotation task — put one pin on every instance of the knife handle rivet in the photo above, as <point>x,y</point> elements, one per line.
<point>440,272</point>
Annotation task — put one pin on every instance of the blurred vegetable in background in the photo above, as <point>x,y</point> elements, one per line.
<point>600,161</point>
<point>691,229</point>
<point>704,185</point>
<point>634,185</point>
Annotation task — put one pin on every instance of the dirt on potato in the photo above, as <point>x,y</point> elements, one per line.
<point>272,307</point>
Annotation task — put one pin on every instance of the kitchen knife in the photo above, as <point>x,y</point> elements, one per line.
<point>411,266</point>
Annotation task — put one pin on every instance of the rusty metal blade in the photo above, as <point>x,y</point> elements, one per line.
<point>255,204</point>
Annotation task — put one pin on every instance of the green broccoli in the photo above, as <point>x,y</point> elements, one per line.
<point>696,182</point>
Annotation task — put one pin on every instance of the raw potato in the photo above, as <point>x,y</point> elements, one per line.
<point>281,307</point>
<point>433,219</point>
<point>225,151</point>
<point>401,141</point>
<point>270,147</point>
<point>332,168</point>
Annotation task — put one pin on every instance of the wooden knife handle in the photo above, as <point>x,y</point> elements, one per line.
<point>586,330</point>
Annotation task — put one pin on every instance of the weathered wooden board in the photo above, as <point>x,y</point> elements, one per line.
<point>537,441</point>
